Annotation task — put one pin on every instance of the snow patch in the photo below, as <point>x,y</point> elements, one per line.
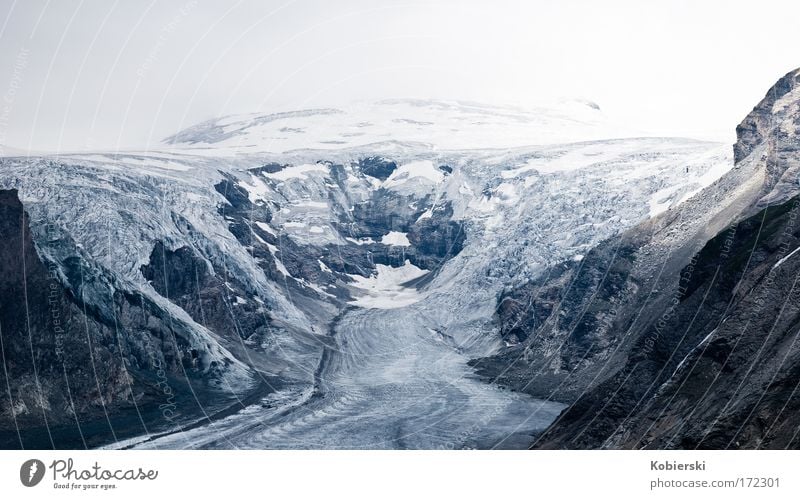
<point>255,191</point>
<point>154,162</point>
<point>360,241</point>
<point>506,193</point>
<point>386,288</point>
<point>278,263</point>
<point>661,200</point>
<point>297,172</point>
<point>782,260</point>
<point>424,169</point>
<point>266,228</point>
<point>315,287</point>
<point>427,214</point>
<point>395,238</point>
<point>311,204</point>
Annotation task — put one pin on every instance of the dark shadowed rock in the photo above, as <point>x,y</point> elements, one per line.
<point>377,167</point>
<point>88,362</point>
<point>711,359</point>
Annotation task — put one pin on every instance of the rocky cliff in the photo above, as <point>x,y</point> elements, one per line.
<point>70,363</point>
<point>688,321</point>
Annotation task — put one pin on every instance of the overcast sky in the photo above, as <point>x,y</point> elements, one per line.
<point>102,74</point>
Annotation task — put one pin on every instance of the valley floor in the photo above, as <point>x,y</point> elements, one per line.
<point>391,382</point>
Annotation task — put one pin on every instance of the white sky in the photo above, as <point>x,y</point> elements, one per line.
<point>101,74</point>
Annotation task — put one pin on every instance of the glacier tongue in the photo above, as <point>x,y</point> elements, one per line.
<point>389,384</point>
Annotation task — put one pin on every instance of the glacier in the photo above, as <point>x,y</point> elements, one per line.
<point>370,246</point>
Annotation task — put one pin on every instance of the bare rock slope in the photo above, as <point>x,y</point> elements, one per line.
<point>688,323</point>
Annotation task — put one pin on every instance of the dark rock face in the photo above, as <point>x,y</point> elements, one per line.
<point>212,297</point>
<point>377,167</point>
<point>701,354</point>
<point>436,239</point>
<point>64,363</point>
<point>720,368</point>
<point>269,168</point>
<point>85,372</point>
<point>564,327</point>
<point>433,240</point>
<point>243,217</point>
<point>759,125</point>
<point>735,389</point>
<point>363,223</point>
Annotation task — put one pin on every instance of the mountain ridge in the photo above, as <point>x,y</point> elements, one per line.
<point>653,400</point>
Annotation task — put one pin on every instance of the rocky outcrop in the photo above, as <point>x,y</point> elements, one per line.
<point>573,326</point>
<point>360,220</point>
<point>562,328</point>
<point>719,367</point>
<point>212,296</point>
<point>759,126</point>
<point>377,167</point>
<point>68,363</point>
<point>700,350</point>
<point>729,379</point>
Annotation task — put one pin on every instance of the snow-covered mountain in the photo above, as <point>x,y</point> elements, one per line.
<point>334,271</point>
<point>433,124</point>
